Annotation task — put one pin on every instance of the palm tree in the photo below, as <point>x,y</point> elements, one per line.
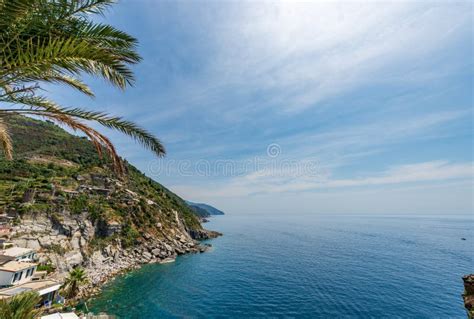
<point>76,278</point>
<point>22,306</point>
<point>57,42</point>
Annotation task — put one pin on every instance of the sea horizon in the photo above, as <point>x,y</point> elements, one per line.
<point>292,266</point>
<point>236,159</point>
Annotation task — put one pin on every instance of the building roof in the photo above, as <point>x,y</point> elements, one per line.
<point>5,259</point>
<point>40,286</point>
<point>14,266</point>
<point>16,251</point>
<point>69,315</point>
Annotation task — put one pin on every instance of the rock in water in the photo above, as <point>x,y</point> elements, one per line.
<point>468,295</point>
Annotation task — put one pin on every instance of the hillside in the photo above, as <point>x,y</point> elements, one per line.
<point>204,210</point>
<point>65,201</point>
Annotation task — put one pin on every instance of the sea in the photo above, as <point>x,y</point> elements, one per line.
<point>307,266</point>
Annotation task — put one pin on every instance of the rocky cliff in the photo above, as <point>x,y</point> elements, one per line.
<point>469,295</point>
<point>66,202</point>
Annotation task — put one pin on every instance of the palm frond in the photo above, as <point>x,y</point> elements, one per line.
<point>34,57</point>
<point>21,306</point>
<point>68,80</point>
<point>129,128</point>
<point>76,278</point>
<point>55,41</point>
<point>33,101</point>
<point>12,10</point>
<point>41,105</point>
<point>12,91</point>
<point>103,33</point>
<point>98,140</point>
<point>108,38</point>
<point>89,6</point>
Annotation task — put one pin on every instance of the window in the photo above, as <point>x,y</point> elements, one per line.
<point>15,277</point>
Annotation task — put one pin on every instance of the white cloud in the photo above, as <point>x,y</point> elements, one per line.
<point>411,173</point>
<point>446,198</point>
<point>276,181</point>
<point>303,53</point>
<point>379,132</point>
<point>299,55</point>
<point>280,59</point>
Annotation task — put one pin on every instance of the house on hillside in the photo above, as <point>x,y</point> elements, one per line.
<point>13,272</point>
<point>47,289</point>
<point>18,274</point>
<point>19,253</point>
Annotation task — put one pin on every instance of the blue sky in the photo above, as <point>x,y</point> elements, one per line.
<point>329,107</point>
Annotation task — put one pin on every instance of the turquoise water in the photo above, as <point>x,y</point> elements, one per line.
<point>308,267</point>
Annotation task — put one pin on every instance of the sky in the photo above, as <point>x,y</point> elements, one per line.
<point>315,107</point>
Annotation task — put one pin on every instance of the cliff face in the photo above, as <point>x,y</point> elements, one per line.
<point>469,294</point>
<point>64,201</point>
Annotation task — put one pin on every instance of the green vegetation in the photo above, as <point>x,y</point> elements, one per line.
<point>201,212</point>
<point>76,278</point>
<point>97,210</point>
<point>57,42</point>
<point>49,268</point>
<point>55,164</point>
<point>58,249</point>
<point>21,306</point>
<point>79,204</point>
<point>129,235</point>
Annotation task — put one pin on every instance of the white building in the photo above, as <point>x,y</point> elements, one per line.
<point>47,289</point>
<point>14,272</point>
<point>18,274</point>
<point>19,253</point>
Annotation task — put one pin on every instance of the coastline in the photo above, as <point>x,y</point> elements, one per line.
<point>69,243</point>
<point>240,274</point>
<point>103,271</point>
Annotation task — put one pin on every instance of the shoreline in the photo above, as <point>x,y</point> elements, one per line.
<point>68,243</point>
<point>134,259</point>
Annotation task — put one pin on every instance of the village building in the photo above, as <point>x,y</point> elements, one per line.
<point>47,289</point>
<point>13,272</point>
<point>18,274</point>
<point>19,253</point>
